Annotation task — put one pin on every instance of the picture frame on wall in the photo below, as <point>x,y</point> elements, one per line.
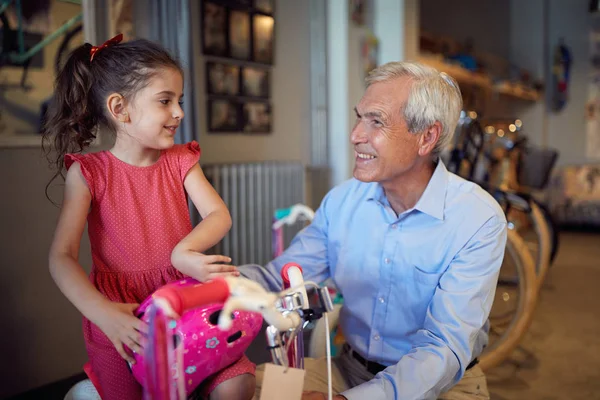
<point>263,38</point>
<point>257,117</point>
<point>256,82</point>
<point>265,6</point>
<point>238,38</point>
<point>223,115</point>
<point>222,79</point>
<point>214,26</point>
<point>239,34</point>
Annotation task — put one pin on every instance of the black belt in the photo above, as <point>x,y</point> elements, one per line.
<point>375,368</point>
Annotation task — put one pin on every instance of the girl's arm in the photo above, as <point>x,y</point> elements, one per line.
<point>64,252</point>
<point>115,320</point>
<point>216,222</point>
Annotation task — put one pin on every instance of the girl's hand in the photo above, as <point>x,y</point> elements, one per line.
<point>123,328</point>
<point>202,267</point>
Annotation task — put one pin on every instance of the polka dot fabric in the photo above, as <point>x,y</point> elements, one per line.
<point>242,366</point>
<point>137,216</point>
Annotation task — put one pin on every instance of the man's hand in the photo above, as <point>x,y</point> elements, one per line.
<point>320,396</point>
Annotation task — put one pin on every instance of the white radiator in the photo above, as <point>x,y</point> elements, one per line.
<point>252,193</point>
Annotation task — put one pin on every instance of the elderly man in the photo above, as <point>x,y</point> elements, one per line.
<point>414,250</point>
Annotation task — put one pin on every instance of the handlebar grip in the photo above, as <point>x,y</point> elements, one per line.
<point>285,272</point>
<point>185,298</point>
<point>291,273</point>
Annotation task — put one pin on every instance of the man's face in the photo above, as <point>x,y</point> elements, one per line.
<point>384,149</point>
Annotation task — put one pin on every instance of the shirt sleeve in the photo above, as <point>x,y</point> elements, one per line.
<point>188,156</point>
<point>460,307</point>
<point>308,249</point>
<point>86,170</point>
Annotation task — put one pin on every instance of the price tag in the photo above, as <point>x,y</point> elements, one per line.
<point>282,383</point>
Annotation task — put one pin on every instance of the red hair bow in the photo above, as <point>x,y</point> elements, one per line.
<point>117,39</point>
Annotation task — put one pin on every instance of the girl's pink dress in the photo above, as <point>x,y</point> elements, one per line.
<point>137,216</point>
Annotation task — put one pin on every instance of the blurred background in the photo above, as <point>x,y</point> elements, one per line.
<point>270,89</point>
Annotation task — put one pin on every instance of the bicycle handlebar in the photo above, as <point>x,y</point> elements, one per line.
<point>176,300</point>
<point>237,293</point>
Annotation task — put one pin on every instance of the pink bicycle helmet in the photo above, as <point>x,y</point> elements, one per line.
<point>206,348</point>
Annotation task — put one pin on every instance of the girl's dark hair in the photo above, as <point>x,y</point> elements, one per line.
<point>78,107</point>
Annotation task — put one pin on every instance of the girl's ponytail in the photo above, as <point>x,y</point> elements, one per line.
<point>72,120</point>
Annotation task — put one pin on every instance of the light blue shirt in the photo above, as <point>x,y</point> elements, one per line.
<point>417,287</point>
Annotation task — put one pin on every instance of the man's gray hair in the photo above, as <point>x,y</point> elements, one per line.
<point>434,96</point>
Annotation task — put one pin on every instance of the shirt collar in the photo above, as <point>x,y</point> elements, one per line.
<point>432,200</point>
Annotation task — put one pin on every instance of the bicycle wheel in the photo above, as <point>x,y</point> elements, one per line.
<point>544,250</point>
<point>514,303</point>
<point>533,227</point>
<point>552,229</point>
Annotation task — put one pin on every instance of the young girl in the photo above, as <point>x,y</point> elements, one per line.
<point>134,198</point>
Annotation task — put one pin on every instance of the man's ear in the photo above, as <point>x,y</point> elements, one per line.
<point>429,138</point>
<point>117,107</point>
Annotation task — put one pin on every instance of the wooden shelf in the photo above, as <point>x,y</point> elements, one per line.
<point>518,91</point>
<point>482,81</point>
<point>462,75</point>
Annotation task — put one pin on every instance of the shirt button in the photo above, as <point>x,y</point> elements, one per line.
<point>376,337</point>
<point>381,300</point>
<point>386,260</point>
<point>394,226</point>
